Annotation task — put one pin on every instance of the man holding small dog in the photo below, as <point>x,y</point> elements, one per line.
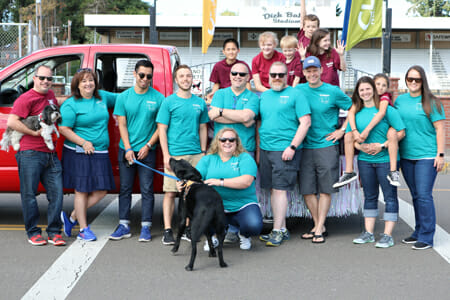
<point>136,110</point>
<point>285,120</point>
<point>37,163</point>
<point>182,121</point>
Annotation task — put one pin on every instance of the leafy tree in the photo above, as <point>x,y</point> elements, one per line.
<point>430,8</point>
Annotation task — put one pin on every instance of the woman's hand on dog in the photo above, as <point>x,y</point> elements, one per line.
<point>37,132</point>
<point>180,185</point>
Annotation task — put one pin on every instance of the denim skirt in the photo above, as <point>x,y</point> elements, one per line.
<point>87,173</point>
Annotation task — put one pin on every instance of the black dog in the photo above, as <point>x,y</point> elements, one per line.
<point>203,206</point>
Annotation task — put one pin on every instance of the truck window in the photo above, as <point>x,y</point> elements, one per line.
<point>175,62</point>
<point>115,71</point>
<point>64,67</point>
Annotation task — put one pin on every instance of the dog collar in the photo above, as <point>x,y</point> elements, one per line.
<point>40,118</point>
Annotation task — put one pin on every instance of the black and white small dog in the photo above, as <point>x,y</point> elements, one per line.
<point>45,120</point>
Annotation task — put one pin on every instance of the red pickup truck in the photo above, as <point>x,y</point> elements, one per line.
<point>114,65</point>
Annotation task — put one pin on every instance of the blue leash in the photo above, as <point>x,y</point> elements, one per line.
<point>154,170</point>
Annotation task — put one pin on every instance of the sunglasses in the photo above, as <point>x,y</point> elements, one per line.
<point>242,74</point>
<point>84,70</point>
<point>411,79</point>
<point>274,75</point>
<point>231,140</point>
<point>142,75</point>
<point>42,78</point>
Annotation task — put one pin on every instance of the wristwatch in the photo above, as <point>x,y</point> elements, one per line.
<point>149,145</point>
<point>441,154</point>
<point>220,112</point>
<point>293,147</point>
<point>383,146</point>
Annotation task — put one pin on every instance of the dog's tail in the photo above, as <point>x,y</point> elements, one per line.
<point>5,142</point>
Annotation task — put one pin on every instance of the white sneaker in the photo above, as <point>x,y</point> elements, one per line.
<point>246,243</point>
<point>215,242</point>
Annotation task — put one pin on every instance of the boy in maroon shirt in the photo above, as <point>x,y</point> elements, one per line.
<point>220,74</point>
<point>289,47</point>
<point>308,24</point>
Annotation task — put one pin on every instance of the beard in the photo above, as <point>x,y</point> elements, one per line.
<point>278,87</point>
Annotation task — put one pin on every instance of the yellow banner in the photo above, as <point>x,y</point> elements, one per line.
<point>209,23</point>
<point>364,21</point>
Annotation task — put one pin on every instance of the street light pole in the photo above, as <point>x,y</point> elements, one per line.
<point>387,38</point>
<point>153,33</point>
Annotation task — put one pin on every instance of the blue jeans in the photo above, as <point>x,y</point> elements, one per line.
<point>420,176</point>
<point>248,220</point>
<point>35,167</point>
<point>127,175</point>
<point>372,176</point>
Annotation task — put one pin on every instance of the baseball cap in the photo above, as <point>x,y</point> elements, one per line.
<point>311,61</point>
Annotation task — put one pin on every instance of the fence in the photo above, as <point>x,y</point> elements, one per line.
<point>17,40</point>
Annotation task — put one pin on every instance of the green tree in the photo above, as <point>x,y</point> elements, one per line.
<point>430,8</point>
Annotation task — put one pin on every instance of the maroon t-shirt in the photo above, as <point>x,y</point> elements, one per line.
<point>28,104</point>
<point>387,97</point>
<point>330,66</point>
<point>261,66</point>
<point>221,73</point>
<point>294,69</point>
<point>302,39</point>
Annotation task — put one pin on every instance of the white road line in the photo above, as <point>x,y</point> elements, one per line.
<point>441,237</point>
<point>63,275</point>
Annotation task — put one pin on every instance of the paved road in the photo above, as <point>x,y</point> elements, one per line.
<point>297,269</point>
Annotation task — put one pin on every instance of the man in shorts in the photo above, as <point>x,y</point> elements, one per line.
<point>181,120</point>
<point>319,167</point>
<point>285,119</point>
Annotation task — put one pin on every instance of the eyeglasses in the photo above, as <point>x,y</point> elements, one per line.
<point>274,75</point>
<point>142,75</point>
<point>84,70</point>
<point>42,78</point>
<point>411,79</point>
<point>231,140</point>
<point>242,74</point>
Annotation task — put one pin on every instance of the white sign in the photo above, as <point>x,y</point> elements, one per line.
<point>401,37</point>
<point>440,37</point>
<point>174,36</point>
<point>125,68</point>
<point>127,34</point>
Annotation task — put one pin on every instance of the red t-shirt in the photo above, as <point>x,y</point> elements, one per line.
<point>330,66</point>
<point>28,104</point>
<point>221,73</point>
<point>387,97</point>
<point>302,39</point>
<point>261,66</point>
<point>294,69</point>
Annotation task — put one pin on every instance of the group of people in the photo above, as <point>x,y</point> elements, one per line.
<point>288,126</point>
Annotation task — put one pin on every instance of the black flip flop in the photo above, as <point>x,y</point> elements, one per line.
<point>309,237</point>
<point>320,236</point>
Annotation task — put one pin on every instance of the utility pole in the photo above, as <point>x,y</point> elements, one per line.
<point>69,28</point>
<point>387,38</point>
<point>153,33</point>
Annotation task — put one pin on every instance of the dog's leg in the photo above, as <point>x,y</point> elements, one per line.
<point>221,236</point>
<point>55,130</point>
<point>212,250</point>
<point>15,139</point>
<point>6,140</point>
<point>190,266</point>
<point>181,225</point>
<point>46,134</point>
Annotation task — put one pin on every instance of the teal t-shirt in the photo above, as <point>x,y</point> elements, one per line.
<point>379,132</point>
<point>140,111</point>
<point>280,112</point>
<point>420,135</point>
<point>225,98</point>
<point>183,118</point>
<point>212,166</point>
<point>325,102</point>
<point>89,118</point>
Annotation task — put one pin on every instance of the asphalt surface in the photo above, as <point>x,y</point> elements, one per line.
<point>297,269</point>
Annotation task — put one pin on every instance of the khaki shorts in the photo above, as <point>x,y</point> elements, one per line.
<point>170,185</point>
